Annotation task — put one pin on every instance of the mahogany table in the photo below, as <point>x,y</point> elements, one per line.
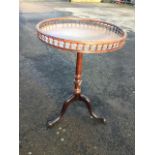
<point>81,36</point>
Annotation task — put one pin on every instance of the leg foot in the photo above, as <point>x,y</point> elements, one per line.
<point>51,123</point>
<point>89,107</point>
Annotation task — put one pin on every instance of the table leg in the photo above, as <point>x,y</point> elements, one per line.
<point>86,100</point>
<point>77,95</point>
<point>50,123</point>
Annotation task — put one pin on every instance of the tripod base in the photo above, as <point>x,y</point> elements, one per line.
<point>70,100</point>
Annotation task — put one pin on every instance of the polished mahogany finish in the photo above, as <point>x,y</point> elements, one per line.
<point>80,35</point>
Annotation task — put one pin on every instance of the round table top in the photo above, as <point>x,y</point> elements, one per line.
<point>81,35</point>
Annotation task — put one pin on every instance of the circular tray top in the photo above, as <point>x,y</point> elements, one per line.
<point>81,35</point>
